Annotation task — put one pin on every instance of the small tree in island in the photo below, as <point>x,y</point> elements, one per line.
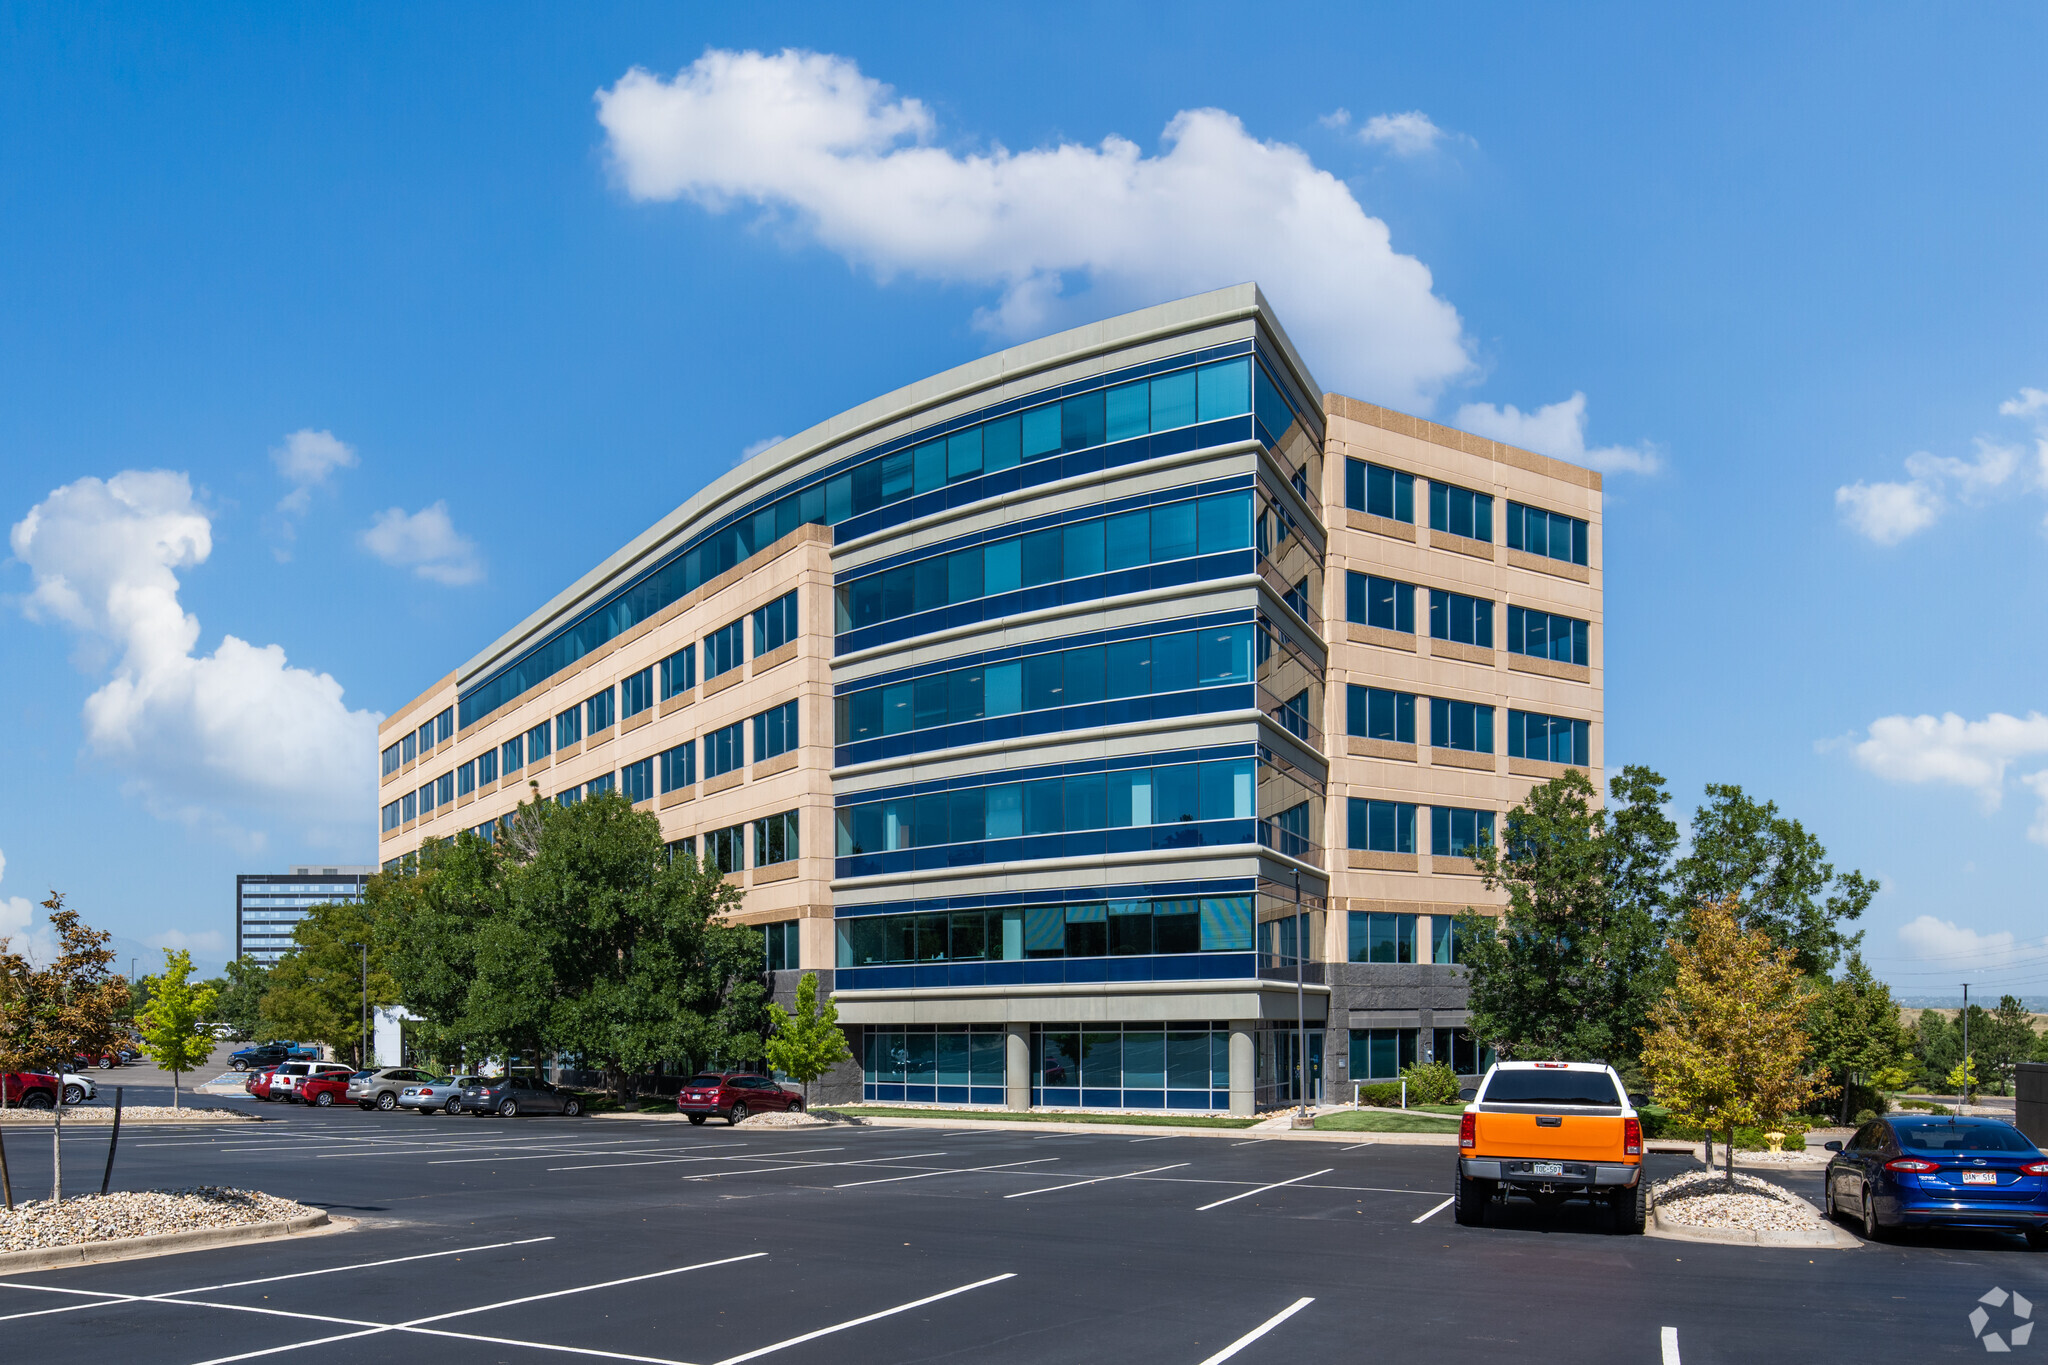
<point>1726,1046</point>
<point>171,1023</point>
<point>805,1045</point>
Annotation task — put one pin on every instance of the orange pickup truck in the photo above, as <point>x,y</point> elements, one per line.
<point>1552,1131</point>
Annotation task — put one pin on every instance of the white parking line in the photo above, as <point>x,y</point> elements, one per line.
<point>808,1165</point>
<point>1668,1338</point>
<point>1076,1184</point>
<point>1249,1337</point>
<point>1157,1139</point>
<point>871,1317</point>
<point>1354,1146</point>
<point>926,1175</point>
<point>1435,1211</point>
<point>418,1324</point>
<point>685,1160</point>
<point>102,1297</point>
<point>1263,1188</point>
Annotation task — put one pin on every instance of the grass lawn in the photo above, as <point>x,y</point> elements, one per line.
<point>874,1111</point>
<point>1389,1121</point>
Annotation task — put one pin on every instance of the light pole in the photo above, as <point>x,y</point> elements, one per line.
<point>1966,1047</point>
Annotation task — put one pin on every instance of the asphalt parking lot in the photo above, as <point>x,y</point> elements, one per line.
<point>519,1240</point>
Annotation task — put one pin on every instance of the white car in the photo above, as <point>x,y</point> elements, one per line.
<point>288,1076</point>
<point>78,1089</point>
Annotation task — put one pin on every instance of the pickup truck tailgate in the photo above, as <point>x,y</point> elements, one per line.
<point>1559,1135</point>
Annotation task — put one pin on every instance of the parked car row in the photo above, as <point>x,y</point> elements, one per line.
<point>325,1084</point>
<point>732,1095</point>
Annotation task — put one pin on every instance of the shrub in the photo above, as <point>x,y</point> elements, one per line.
<point>1431,1083</point>
<point>1926,1106</point>
<point>1380,1094</point>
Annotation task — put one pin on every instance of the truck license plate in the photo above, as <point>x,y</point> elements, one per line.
<point>1545,1168</point>
<point>1980,1177</point>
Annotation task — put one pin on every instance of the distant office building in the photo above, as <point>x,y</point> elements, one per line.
<point>268,904</point>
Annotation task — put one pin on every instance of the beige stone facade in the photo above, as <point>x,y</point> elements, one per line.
<point>1423,773</point>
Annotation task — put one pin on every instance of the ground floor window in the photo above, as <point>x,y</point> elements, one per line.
<point>780,942</point>
<point>1467,1055</point>
<point>1378,1054</point>
<point>924,1064</point>
<point>1131,1066</point>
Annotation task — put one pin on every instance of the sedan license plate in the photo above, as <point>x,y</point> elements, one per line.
<point>1980,1177</point>
<point>1545,1168</point>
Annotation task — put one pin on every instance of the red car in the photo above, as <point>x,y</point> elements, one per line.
<point>105,1061</point>
<point>732,1095</point>
<point>258,1083</point>
<point>321,1091</point>
<point>29,1089</point>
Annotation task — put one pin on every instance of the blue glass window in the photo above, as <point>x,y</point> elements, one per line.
<point>636,780</point>
<point>569,727</point>
<point>775,731</point>
<point>636,693</point>
<point>1550,739</point>
<point>1124,928</point>
<point>678,767</point>
<point>465,778</point>
<point>408,747</point>
<point>444,726</point>
<point>597,786</point>
<point>1380,826</point>
<point>1550,534</point>
<point>600,712</point>
<point>539,742</point>
<point>391,761</point>
<point>1380,1054</point>
<point>725,749</point>
<point>726,849</point>
<point>1453,832</point>
<point>725,649</point>
<point>1376,937</point>
<point>487,767</point>
<point>1379,491</point>
<point>389,818</point>
<point>445,788</point>
<point>1461,619</point>
<point>1380,602</point>
<point>1460,511</point>
<point>679,672</point>
<point>1376,713</point>
<point>1545,635</point>
<point>775,624</point>
<point>775,839</point>
<point>512,754</point>
<point>1169,531</point>
<point>1460,725</point>
<point>407,809</point>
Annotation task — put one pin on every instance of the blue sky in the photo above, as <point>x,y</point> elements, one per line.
<point>418,314</point>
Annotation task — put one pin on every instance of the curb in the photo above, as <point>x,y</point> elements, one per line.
<point>1827,1236</point>
<point>162,1243</point>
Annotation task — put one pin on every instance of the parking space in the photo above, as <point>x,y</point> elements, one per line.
<point>618,1239</point>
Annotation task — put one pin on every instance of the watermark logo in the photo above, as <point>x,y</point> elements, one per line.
<point>2017,1332</point>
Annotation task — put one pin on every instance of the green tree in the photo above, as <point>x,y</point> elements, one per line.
<point>1776,872</point>
<point>1727,1044</point>
<point>238,996</point>
<point>805,1045</point>
<point>316,990</point>
<point>172,1026</point>
<point>67,1007</point>
<point>1962,1077</point>
<point>1857,1037</point>
<point>1572,966</point>
<point>2009,1039</point>
<point>1937,1046</point>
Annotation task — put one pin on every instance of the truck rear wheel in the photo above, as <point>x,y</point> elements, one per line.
<point>1469,1201</point>
<point>1631,1206</point>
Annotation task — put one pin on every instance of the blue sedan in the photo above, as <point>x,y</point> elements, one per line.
<point>1949,1172</point>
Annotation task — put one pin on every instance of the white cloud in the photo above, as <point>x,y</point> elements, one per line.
<point>1947,942</point>
<point>210,739</point>
<point>208,943</point>
<point>1557,430</point>
<point>754,448</point>
<point>809,137</point>
<point>24,928</point>
<point>1889,512</point>
<point>426,542</point>
<point>1409,134</point>
<point>305,460</point>
<point>1973,754</point>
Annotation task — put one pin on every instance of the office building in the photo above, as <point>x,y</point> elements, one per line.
<point>1044,706</point>
<point>268,904</point>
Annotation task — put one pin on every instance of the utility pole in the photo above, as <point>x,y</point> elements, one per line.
<point>364,1053</point>
<point>1966,1046</point>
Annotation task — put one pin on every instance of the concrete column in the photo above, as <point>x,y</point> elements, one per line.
<point>1243,1067</point>
<point>1017,1066</point>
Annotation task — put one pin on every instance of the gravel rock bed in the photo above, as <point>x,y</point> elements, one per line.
<point>1700,1199</point>
<point>818,1118</point>
<point>130,1113</point>
<point>141,1213</point>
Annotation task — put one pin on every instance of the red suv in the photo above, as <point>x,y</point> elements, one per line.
<point>732,1095</point>
<point>258,1083</point>
<point>321,1091</point>
<point>29,1089</point>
